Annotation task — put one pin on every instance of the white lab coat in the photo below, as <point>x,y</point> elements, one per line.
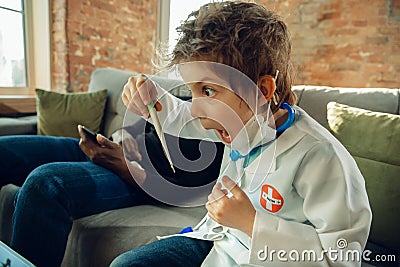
<point>312,197</point>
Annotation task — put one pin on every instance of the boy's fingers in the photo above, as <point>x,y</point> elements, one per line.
<point>138,102</point>
<point>231,186</point>
<point>144,87</point>
<point>146,93</point>
<point>140,79</point>
<point>216,191</point>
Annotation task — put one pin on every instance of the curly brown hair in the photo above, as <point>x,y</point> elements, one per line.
<point>246,36</point>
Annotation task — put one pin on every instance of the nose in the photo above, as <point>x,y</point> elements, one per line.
<point>196,110</point>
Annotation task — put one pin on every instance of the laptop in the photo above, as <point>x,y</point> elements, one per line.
<point>10,258</point>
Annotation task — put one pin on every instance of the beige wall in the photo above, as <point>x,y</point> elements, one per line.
<point>337,43</point>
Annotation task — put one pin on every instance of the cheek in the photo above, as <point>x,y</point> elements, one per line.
<point>215,111</point>
<point>216,114</point>
<point>209,124</point>
<point>203,108</point>
<point>243,110</point>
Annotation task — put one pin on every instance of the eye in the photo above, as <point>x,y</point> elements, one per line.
<point>208,91</point>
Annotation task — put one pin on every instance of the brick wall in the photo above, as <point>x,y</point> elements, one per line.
<point>344,43</point>
<point>336,43</point>
<point>89,34</point>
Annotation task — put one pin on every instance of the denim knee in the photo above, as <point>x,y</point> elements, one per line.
<point>128,259</point>
<point>43,183</point>
<point>177,251</point>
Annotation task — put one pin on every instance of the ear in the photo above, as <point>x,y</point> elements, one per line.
<point>267,86</point>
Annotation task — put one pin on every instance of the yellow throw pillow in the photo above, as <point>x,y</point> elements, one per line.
<point>60,113</point>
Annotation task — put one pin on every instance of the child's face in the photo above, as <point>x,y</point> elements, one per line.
<point>216,105</point>
<point>220,109</point>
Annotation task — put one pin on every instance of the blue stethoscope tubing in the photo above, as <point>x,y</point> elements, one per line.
<point>289,120</point>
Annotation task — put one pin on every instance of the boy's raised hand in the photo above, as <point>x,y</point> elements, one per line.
<point>138,93</point>
<point>236,212</point>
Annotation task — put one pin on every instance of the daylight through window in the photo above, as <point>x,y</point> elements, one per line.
<point>12,44</point>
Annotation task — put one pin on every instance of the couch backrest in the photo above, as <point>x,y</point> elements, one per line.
<point>313,99</point>
<point>113,80</point>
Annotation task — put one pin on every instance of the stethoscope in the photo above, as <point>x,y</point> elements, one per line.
<point>289,121</point>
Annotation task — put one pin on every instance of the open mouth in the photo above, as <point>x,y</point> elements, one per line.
<point>224,136</point>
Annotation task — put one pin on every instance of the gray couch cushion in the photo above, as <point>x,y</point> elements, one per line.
<point>98,239</point>
<point>21,125</point>
<point>313,99</point>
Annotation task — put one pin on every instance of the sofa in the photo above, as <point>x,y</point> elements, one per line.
<point>95,240</point>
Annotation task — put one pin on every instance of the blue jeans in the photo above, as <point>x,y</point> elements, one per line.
<point>59,184</point>
<point>177,251</point>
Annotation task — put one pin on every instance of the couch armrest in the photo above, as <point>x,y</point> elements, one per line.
<point>20,125</point>
<point>7,196</point>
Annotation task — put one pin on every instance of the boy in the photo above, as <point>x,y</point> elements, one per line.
<point>294,189</point>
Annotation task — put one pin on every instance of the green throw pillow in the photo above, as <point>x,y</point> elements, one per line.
<point>373,138</point>
<point>60,113</point>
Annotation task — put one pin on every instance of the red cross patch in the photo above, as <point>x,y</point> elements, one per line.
<point>271,199</point>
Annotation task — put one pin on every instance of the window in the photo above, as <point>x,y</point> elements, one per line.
<point>172,13</point>
<point>179,10</point>
<point>12,44</point>
<point>24,47</point>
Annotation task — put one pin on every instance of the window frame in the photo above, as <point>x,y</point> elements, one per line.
<point>163,21</point>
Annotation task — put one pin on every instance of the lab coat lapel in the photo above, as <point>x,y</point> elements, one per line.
<point>265,163</point>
